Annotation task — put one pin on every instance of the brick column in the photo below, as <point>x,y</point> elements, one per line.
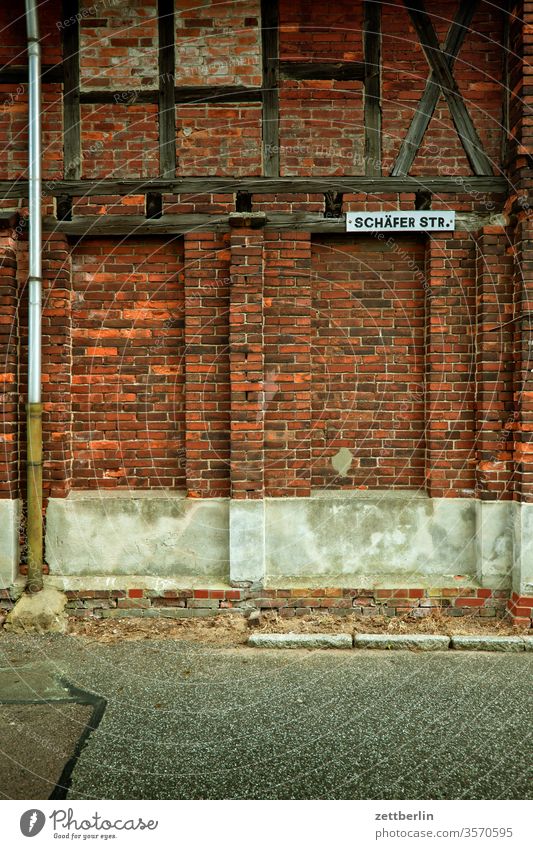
<point>495,418</point>
<point>9,482</point>
<point>207,394</point>
<point>247,508</point>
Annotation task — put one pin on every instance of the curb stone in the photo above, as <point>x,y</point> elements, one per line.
<point>301,641</point>
<point>489,643</point>
<point>423,642</point>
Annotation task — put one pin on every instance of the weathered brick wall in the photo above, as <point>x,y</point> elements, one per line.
<point>118,44</point>
<point>450,365</point>
<point>119,141</point>
<point>288,344</point>
<point>218,43</point>
<point>128,364</point>
<point>367,362</point>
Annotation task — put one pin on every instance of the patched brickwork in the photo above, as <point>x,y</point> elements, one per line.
<point>128,364</point>
<point>368,362</point>
<point>218,43</point>
<point>118,44</point>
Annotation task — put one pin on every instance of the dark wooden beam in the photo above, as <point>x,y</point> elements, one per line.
<point>428,101</point>
<point>438,63</point>
<point>153,205</point>
<point>168,225</point>
<point>72,155</point>
<point>260,185</point>
<point>167,103</point>
<point>14,74</point>
<point>290,69</point>
<point>372,95</point>
<point>270,122</point>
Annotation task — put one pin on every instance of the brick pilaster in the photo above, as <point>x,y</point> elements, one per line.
<point>247,377</point>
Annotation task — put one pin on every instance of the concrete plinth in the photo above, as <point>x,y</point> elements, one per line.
<point>523,549</point>
<point>494,543</point>
<point>247,541</point>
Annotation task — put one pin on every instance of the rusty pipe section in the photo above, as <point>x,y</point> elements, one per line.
<point>34,581</point>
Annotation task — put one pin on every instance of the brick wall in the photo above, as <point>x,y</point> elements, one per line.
<point>367,362</point>
<point>128,364</point>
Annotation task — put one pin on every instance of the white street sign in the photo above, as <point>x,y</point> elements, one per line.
<point>400,220</point>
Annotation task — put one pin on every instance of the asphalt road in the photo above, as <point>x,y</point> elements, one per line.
<point>186,721</point>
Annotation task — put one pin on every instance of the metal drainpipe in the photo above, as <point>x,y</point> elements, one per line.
<point>34,581</point>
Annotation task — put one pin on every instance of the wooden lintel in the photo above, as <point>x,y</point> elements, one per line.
<point>291,69</point>
<point>167,103</point>
<point>439,64</point>
<point>211,95</point>
<point>270,118</point>
<point>136,225</point>
<point>260,185</point>
<point>72,155</point>
<point>426,107</point>
<point>372,93</point>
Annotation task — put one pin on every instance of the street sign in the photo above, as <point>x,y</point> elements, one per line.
<point>402,220</point>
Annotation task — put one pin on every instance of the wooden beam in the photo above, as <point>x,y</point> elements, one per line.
<point>270,53</point>
<point>260,185</point>
<point>290,69</point>
<point>14,74</point>
<point>72,155</point>
<point>167,103</point>
<point>438,63</point>
<point>135,225</point>
<point>428,101</point>
<point>372,94</point>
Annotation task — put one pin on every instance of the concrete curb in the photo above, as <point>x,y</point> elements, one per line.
<point>422,642</point>
<point>301,641</point>
<point>491,643</point>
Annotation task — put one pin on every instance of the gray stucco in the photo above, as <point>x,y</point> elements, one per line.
<point>333,538</point>
<point>398,534</point>
<point>137,534</point>
<point>9,540</point>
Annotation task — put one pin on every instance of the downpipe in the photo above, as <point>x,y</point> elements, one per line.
<point>34,581</point>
